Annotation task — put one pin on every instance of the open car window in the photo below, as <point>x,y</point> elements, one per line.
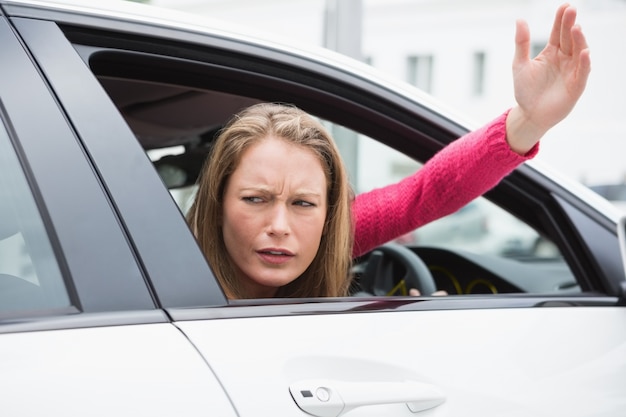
<point>480,249</point>
<point>483,248</point>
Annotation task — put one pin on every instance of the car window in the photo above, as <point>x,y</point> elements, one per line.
<point>480,226</point>
<point>481,248</point>
<point>480,233</point>
<point>30,277</point>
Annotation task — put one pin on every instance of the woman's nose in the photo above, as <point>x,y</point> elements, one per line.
<point>279,221</point>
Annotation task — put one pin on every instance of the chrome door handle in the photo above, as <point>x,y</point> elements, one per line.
<point>329,398</point>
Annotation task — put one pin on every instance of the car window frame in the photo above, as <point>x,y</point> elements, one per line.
<point>539,210</point>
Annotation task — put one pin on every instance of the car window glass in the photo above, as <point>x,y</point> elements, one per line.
<point>30,277</point>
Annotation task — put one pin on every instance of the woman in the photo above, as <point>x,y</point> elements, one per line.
<point>273,205</point>
<point>273,211</point>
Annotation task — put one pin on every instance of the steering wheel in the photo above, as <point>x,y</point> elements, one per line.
<point>378,277</point>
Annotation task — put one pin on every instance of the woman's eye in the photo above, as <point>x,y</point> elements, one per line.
<point>303,203</point>
<point>252,199</point>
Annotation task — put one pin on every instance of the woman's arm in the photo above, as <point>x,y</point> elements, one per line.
<point>460,172</point>
<point>546,90</point>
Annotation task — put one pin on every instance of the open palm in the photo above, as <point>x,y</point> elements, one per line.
<point>548,86</point>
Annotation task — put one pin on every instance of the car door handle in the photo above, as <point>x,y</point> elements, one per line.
<point>330,398</point>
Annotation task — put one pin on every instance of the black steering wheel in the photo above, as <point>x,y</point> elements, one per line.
<point>378,278</point>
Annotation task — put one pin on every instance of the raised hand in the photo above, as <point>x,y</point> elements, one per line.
<point>548,86</point>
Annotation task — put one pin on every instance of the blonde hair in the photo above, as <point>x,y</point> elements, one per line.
<point>329,273</point>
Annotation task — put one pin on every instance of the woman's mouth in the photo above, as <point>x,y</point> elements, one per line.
<point>275,256</point>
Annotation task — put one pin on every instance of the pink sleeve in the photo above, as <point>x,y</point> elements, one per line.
<point>460,172</point>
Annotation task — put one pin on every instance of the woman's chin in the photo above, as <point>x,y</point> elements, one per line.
<point>266,285</point>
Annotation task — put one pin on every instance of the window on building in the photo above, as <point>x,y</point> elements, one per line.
<point>478,85</point>
<point>536,48</point>
<point>420,71</point>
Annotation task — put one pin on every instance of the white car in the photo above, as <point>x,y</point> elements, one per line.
<point>108,307</point>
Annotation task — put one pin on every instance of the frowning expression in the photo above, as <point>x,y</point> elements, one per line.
<point>275,206</point>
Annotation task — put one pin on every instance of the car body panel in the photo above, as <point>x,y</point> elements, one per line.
<point>482,362</point>
<point>148,369</point>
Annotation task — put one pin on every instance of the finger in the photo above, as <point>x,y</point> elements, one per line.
<point>522,43</point>
<point>569,19</point>
<point>583,61</point>
<point>579,43</point>
<point>584,68</point>
<point>555,35</point>
<point>414,292</point>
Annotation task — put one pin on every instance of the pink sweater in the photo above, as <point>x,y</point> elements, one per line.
<point>460,172</point>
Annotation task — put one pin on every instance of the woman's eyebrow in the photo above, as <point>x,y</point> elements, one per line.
<point>307,193</point>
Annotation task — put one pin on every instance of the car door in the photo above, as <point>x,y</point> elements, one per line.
<point>487,355</point>
<point>460,357</point>
<point>80,333</point>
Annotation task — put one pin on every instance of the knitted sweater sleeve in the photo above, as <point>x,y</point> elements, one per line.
<point>460,172</point>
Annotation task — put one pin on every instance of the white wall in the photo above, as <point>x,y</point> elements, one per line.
<point>590,145</point>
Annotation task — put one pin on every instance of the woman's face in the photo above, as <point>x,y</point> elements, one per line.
<point>274,214</point>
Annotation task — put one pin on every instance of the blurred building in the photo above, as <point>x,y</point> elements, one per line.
<point>460,51</point>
